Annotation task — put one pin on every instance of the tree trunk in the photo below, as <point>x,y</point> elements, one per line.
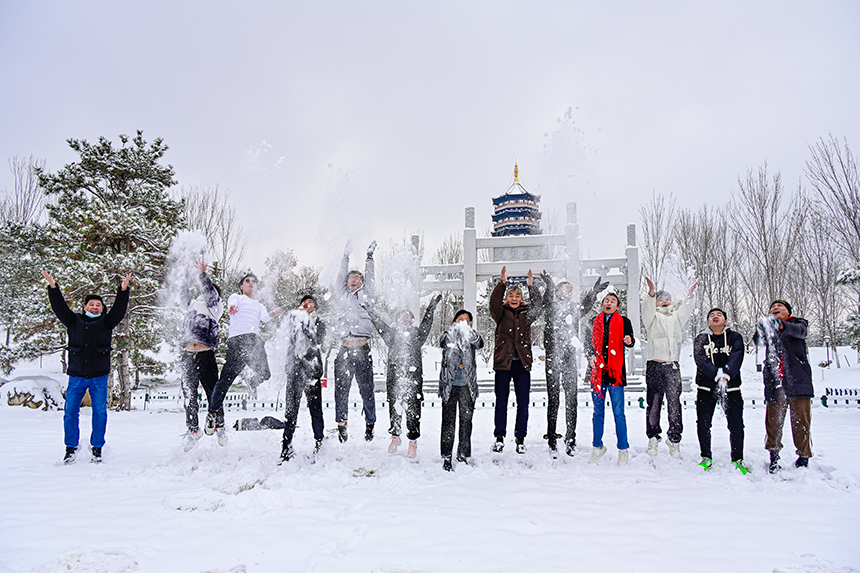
<point>123,371</point>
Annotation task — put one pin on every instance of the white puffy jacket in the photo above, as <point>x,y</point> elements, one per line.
<point>664,328</point>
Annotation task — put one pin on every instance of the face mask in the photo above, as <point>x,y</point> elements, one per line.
<point>91,315</point>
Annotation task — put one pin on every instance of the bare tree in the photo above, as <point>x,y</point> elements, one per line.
<point>208,209</point>
<point>25,203</point>
<point>657,217</point>
<point>449,253</point>
<point>769,225</point>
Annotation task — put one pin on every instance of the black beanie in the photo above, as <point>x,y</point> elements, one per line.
<point>783,303</point>
<point>717,309</point>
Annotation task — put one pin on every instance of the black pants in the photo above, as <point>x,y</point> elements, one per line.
<point>243,350</point>
<point>522,385</point>
<point>408,395</point>
<point>356,362</point>
<point>198,369</point>
<point>461,398</point>
<point>706,402</point>
<point>561,373</point>
<point>313,391</point>
<point>663,379</point>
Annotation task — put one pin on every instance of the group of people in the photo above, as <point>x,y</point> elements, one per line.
<point>718,354</point>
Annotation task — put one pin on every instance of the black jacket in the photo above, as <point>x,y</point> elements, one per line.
<point>89,338</point>
<point>787,360</point>
<point>404,347</point>
<point>714,351</point>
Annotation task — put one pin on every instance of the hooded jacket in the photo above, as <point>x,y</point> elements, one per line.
<point>352,319</point>
<point>404,347</point>
<point>459,344</point>
<point>664,328</point>
<point>787,360</point>
<point>513,327</point>
<point>202,314</point>
<point>89,338</point>
<point>714,351</point>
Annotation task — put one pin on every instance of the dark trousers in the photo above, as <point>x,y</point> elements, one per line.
<point>706,402</point>
<point>243,350</point>
<point>663,379</point>
<point>522,384</point>
<point>355,362</point>
<point>405,394</point>
<point>561,373</point>
<point>801,419</point>
<point>293,399</point>
<point>461,398</point>
<point>198,369</point>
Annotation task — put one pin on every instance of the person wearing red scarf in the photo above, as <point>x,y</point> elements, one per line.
<point>611,333</point>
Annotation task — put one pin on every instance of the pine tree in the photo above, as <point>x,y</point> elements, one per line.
<point>113,215</point>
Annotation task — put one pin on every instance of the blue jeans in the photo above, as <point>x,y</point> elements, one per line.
<point>71,416</point>
<point>616,395</point>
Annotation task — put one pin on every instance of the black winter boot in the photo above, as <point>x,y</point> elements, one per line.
<point>521,447</point>
<point>774,463</point>
<point>499,444</point>
<point>97,455</point>
<point>341,433</point>
<point>287,452</point>
<point>446,463</point>
<point>801,462</point>
<point>368,432</point>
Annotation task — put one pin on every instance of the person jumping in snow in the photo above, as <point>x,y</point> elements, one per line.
<point>305,336</point>
<point>89,336</point>
<point>354,328</point>
<point>512,356</point>
<point>458,386</point>
<point>787,382</point>
<point>245,347</point>
<point>664,324</point>
<point>719,354</point>
<point>561,338</point>
<point>404,373</point>
<point>610,334</point>
<point>199,337</point>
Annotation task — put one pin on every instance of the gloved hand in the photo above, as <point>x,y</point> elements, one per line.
<point>370,249</point>
<point>599,286</point>
<point>435,300</point>
<point>547,280</point>
<point>721,375</point>
<point>347,250</point>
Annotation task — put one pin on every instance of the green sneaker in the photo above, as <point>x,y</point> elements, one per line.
<point>744,469</point>
<point>706,463</point>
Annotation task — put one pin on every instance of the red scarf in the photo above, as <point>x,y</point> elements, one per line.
<point>615,361</point>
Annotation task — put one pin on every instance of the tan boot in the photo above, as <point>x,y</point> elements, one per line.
<point>413,449</point>
<point>395,443</point>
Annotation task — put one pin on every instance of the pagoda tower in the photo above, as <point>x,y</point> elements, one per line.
<point>517,212</point>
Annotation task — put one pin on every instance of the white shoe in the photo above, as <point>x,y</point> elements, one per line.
<point>395,443</point>
<point>674,449</point>
<point>413,449</point>
<point>596,454</point>
<point>622,457</point>
<point>222,436</point>
<point>191,439</point>
<point>653,443</point>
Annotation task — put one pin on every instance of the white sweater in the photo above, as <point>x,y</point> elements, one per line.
<point>247,320</point>
<point>664,328</point>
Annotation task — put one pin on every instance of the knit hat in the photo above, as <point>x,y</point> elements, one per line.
<point>783,303</point>
<point>665,293</point>
<point>717,309</point>
<point>609,292</point>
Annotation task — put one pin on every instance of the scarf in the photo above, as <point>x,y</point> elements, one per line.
<point>615,361</point>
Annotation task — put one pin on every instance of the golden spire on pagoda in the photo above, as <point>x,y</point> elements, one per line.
<point>516,173</point>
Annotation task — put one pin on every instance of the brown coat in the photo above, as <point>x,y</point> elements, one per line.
<point>513,328</point>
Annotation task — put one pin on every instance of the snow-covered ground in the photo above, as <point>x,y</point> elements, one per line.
<point>153,507</point>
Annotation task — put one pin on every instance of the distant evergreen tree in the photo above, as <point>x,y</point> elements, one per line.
<point>113,215</point>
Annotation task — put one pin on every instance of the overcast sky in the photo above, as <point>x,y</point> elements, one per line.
<point>329,120</point>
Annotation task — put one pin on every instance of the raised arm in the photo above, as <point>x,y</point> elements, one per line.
<point>497,298</point>
<point>370,272</point>
<point>58,302</point>
<point>120,304</point>
<point>427,321</point>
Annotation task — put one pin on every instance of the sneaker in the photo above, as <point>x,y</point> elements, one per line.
<point>706,463</point>
<point>341,433</point>
<point>801,462</point>
<point>596,454</point>
<point>499,445</point>
<point>318,446</point>
<point>742,467</point>
<point>446,464</point>
<point>96,455</point>
<point>674,449</point>
<point>71,455</point>
<point>413,449</point>
<point>622,457</point>
<point>395,443</point>
<point>191,438</point>
<point>462,459</point>
<point>222,436</point>
<point>209,426</point>
<point>774,463</point>
<point>570,448</point>
<point>368,432</point>
<point>521,447</point>
<point>287,452</point>
<point>552,441</point>
<point>653,443</point>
